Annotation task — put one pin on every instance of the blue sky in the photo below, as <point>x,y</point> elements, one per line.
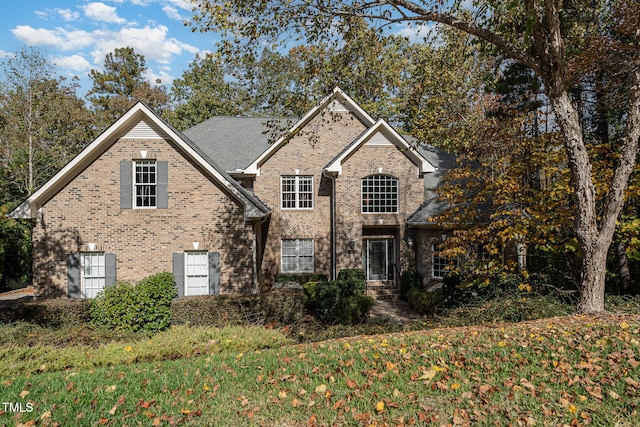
<point>76,35</point>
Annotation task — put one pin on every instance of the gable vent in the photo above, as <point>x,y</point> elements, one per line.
<point>378,139</point>
<point>145,129</point>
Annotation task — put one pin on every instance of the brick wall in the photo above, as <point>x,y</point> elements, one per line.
<point>88,210</point>
<point>352,225</point>
<point>321,140</point>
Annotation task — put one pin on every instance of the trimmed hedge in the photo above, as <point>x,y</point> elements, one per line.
<point>55,313</point>
<point>301,278</point>
<point>278,308</point>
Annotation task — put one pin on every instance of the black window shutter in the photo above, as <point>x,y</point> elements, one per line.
<point>73,276</point>
<point>109,270</point>
<point>163,179</point>
<point>178,271</point>
<point>214,273</point>
<point>126,190</point>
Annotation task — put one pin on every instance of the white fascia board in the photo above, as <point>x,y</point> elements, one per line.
<point>29,208</point>
<point>254,168</point>
<point>335,168</point>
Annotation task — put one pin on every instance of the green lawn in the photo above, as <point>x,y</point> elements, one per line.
<point>575,370</point>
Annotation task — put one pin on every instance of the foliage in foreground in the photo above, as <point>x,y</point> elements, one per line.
<point>580,370</point>
<point>24,357</point>
<point>143,307</point>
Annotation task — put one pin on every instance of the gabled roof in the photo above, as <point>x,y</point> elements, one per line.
<point>234,142</point>
<point>389,136</point>
<point>254,208</point>
<point>336,101</point>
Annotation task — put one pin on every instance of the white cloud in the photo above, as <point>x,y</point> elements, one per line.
<point>165,78</point>
<point>5,54</point>
<point>102,12</point>
<point>75,63</point>
<point>182,4</point>
<point>59,38</point>
<point>68,14</point>
<point>151,42</point>
<point>42,14</point>
<point>416,33</point>
<point>172,13</point>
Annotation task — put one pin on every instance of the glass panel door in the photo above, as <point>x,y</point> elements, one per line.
<point>379,259</point>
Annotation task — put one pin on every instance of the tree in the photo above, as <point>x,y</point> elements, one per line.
<point>43,123</point>
<point>555,39</point>
<point>202,92</point>
<point>122,84</point>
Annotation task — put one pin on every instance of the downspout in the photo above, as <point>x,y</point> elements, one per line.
<point>257,231</point>
<point>332,243</point>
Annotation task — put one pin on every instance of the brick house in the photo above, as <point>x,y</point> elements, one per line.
<point>226,210</point>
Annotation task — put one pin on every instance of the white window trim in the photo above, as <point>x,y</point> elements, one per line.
<point>397,205</point>
<point>297,192</point>
<point>186,271</point>
<point>135,184</point>
<point>84,277</point>
<point>297,257</point>
<point>433,258</point>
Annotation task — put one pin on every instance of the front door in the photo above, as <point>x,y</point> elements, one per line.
<point>379,259</point>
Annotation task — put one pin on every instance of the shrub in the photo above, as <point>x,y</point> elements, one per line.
<point>355,276</point>
<point>424,302</point>
<point>154,295</point>
<point>280,308</point>
<point>310,295</point>
<point>409,279</point>
<point>341,301</point>
<point>301,278</point>
<point>56,313</point>
<point>143,307</point>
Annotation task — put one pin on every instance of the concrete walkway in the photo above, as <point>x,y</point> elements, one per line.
<point>396,310</point>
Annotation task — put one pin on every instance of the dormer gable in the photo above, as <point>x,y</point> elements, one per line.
<point>337,101</point>
<point>380,134</point>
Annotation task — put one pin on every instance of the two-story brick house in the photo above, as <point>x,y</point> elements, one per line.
<point>226,210</point>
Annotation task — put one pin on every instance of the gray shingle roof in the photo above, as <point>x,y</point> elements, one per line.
<point>234,142</point>
<point>432,205</point>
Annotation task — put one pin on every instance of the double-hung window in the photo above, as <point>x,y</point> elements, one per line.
<point>145,184</point>
<point>196,273</point>
<point>93,273</point>
<point>379,194</point>
<point>296,192</point>
<point>297,256</point>
<point>441,266</point>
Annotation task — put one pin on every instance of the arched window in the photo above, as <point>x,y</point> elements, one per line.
<point>379,194</point>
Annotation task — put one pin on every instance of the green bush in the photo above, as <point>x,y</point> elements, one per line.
<point>424,302</point>
<point>55,313</point>
<point>310,295</point>
<point>143,307</point>
<point>283,307</point>
<point>341,301</point>
<point>355,276</point>
<point>409,279</point>
<point>300,278</point>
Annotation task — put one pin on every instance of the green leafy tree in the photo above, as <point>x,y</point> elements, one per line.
<point>43,124</point>
<point>202,92</point>
<point>122,84</point>
<point>555,39</point>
